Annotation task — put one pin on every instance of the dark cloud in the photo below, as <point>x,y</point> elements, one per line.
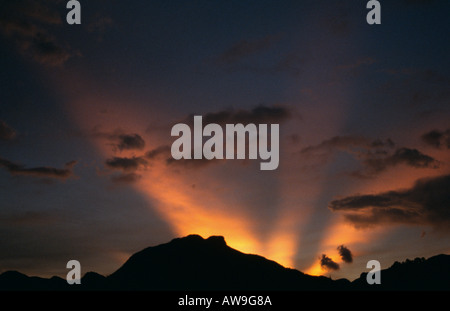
<point>126,164</point>
<point>345,253</point>
<point>358,146</point>
<point>246,48</point>
<point>118,138</point>
<point>411,157</point>
<point>43,171</point>
<point>374,164</point>
<point>328,263</point>
<point>130,142</point>
<point>258,115</point>
<point>426,203</point>
<point>126,178</point>
<point>6,132</point>
<point>28,24</point>
<point>375,156</point>
<point>163,153</point>
<point>437,138</point>
<point>45,50</point>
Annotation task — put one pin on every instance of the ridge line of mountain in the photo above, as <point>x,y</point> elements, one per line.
<point>195,263</point>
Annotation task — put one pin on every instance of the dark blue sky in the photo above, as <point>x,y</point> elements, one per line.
<point>365,112</point>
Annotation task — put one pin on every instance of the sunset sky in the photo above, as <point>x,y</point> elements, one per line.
<point>86,113</point>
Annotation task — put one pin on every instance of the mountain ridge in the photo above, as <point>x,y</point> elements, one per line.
<point>195,263</point>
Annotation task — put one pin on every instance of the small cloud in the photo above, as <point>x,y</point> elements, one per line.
<point>374,163</point>
<point>438,139</point>
<point>327,263</point>
<point>43,171</point>
<point>118,139</point>
<point>411,157</point>
<point>126,164</point>
<point>130,142</point>
<point>44,49</point>
<point>345,253</point>
<point>163,153</point>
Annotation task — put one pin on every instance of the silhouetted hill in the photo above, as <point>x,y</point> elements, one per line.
<point>195,263</point>
<point>418,274</point>
<point>94,281</point>
<point>13,280</point>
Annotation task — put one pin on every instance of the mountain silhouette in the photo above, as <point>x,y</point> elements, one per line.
<point>13,280</point>
<point>418,274</point>
<point>195,263</point>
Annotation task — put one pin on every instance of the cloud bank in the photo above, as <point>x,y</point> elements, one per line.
<point>28,24</point>
<point>425,203</point>
<point>375,156</point>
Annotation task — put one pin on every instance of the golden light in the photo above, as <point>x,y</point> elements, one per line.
<point>341,233</point>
